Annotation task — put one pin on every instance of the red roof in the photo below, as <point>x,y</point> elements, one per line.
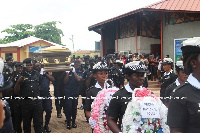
<point>182,5</point>
<point>164,5</point>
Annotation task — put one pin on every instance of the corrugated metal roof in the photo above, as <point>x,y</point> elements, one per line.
<point>182,5</point>
<point>164,5</point>
<point>27,41</point>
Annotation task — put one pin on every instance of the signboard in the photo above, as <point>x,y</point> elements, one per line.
<point>34,48</point>
<point>149,109</point>
<point>178,43</point>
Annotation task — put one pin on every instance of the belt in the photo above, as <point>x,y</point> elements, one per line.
<point>31,98</point>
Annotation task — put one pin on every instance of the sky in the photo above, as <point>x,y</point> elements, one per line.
<point>75,16</point>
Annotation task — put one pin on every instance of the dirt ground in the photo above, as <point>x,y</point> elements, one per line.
<point>57,125</point>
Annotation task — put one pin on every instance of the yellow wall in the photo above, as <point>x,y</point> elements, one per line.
<point>8,49</point>
<point>24,51</point>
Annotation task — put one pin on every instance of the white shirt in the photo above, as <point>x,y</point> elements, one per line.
<point>177,82</point>
<point>168,72</point>
<point>98,86</point>
<point>193,81</point>
<point>128,88</point>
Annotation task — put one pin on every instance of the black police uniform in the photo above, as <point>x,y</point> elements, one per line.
<point>7,125</point>
<point>169,92</point>
<point>71,92</point>
<point>93,81</point>
<point>58,91</point>
<point>46,98</point>
<point>90,95</point>
<point>166,80</point>
<point>184,109</point>
<point>16,106</point>
<point>31,106</point>
<point>118,104</point>
<point>116,76</point>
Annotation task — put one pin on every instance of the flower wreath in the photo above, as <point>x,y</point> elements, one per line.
<point>99,108</point>
<point>145,114</point>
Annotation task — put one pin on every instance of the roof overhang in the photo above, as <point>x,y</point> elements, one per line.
<point>97,27</point>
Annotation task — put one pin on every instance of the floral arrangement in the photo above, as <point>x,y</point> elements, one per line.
<point>145,114</point>
<point>99,108</point>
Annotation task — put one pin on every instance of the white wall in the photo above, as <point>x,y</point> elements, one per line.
<point>143,44</point>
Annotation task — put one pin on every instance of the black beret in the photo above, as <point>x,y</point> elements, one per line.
<point>9,58</point>
<point>19,64</point>
<point>27,60</point>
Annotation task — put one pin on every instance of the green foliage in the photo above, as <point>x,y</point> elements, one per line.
<point>17,32</point>
<point>48,31</point>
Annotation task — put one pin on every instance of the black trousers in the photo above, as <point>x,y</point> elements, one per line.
<point>32,109</point>
<point>17,116</point>
<point>70,107</point>
<point>47,108</point>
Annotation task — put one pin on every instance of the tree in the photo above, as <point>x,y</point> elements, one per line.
<point>48,31</point>
<point>17,32</point>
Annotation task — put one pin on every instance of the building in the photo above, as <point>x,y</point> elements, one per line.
<point>152,29</point>
<point>24,48</point>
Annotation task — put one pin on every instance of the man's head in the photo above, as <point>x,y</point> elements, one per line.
<point>77,64</point>
<point>28,64</point>
<point>19,67</point>
<point>9,60</point>
<point>38,66</point>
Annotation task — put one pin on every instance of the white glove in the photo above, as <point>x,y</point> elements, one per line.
<point>73,69</point>
<point>92,122</point>
<point>67,71</point>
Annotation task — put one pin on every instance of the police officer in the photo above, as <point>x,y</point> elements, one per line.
<point>100,72</point>
<point>58,91</point>
<point>88,81</point>
<point>28,87</point>
<point>8,70</point>
<point>7,122</point>
<point>135,75</point>
<point>72,83</point>
<point>182,77</point>
<point>17,117</point>
<point>116,74</point>
<point>46,77</point>
<point>183,110</point>
<point>168,78</point>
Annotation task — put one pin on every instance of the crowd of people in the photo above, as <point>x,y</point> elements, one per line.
<point>25,89</point>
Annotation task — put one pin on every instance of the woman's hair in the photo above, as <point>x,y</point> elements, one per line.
<point>186,61</point>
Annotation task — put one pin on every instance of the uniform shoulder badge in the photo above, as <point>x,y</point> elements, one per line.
<point>180,86</point>
<point>90,88</point>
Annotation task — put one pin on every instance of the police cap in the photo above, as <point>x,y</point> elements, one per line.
<point>9,58</point>
<point>191,45</point>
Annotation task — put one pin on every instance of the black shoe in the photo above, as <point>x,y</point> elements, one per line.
<point>46,128</point>
<point>69,125</point>
<point>74,125</point>
<point>59,115</point>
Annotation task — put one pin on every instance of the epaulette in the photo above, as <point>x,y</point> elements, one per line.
<point>90,88</point>
<point>171,85</point>
<point>180,86</point>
